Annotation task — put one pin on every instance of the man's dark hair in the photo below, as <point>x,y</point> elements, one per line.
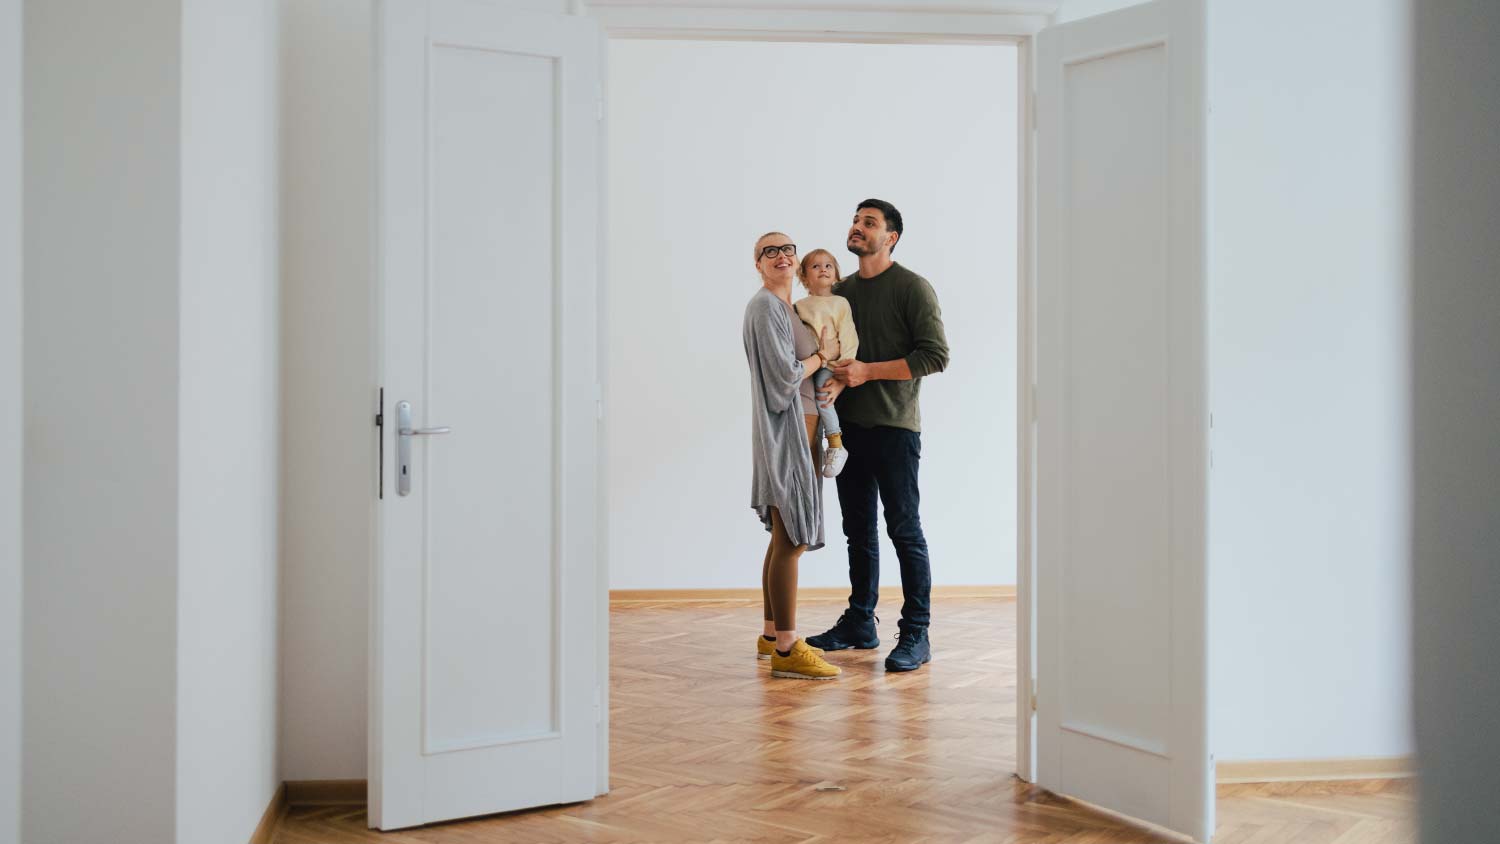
<point>892,217</point>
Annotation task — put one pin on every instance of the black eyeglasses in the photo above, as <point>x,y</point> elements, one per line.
<point>787,249</point>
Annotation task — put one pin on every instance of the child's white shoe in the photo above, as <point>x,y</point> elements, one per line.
<point>833,461</point>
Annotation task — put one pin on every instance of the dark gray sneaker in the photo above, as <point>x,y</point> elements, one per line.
<point>851,631</point>
<point>912,650</point>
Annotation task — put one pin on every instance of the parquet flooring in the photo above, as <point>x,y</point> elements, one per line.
<point>706,746</point>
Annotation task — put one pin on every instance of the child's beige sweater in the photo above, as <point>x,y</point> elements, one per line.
<point>832,312</point>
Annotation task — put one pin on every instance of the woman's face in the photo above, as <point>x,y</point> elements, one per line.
<point>819,274</point>
<point>778,266</point>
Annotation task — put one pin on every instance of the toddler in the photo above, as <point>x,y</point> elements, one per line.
<point>832,323</point>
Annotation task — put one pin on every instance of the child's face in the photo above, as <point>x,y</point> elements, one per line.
<point>819,275</point>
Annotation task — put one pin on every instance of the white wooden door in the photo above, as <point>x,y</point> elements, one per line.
<point>1122,426</point>
<point>485,629</point>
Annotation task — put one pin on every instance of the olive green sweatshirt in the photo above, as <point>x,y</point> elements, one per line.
<point>897,316</point>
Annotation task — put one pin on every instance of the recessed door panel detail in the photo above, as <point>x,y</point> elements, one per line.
<point>491,520</point>
<point>1115,574</point>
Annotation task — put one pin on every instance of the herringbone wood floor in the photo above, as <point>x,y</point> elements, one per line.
<point>706,746</point>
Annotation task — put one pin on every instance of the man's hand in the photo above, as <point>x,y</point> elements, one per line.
<point>830,393</point>
<point>852,373</point>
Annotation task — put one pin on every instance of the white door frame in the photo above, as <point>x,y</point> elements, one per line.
<point>1015,22</point>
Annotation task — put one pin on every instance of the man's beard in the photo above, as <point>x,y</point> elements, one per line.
<point>854,246</point>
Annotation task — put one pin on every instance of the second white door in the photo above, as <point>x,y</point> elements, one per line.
<point>1122,422</point>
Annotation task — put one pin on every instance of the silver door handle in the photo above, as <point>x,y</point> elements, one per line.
<point>404,433</point>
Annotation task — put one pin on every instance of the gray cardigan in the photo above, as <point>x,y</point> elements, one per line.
<point>783,475</point>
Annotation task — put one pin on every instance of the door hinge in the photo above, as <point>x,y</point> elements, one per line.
<point>599,106</point>
<point>380,444</point>
<point>1210,440</point>
<point>598,400</point>
<point>1033,695</point>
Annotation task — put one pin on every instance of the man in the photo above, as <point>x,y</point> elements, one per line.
<point>901,340</point>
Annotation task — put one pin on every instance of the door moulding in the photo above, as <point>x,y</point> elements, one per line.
<point>861,21</point>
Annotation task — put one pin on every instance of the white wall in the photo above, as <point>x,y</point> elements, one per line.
<point>150,419</point>
<point>328,383</point>
<point>1456,391</point>
<point>101,455</point>
<point>227,465</point>
<point>1309,593</point>
<point>10,420</point>
<point>712,144</point>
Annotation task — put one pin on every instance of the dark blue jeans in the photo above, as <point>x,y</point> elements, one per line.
<point>883,465</point>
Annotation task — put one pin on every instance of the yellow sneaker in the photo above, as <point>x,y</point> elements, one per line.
<point>803,663</point>
<point>764,648</point>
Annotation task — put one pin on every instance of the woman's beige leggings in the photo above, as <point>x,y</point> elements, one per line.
<point>778,577</point>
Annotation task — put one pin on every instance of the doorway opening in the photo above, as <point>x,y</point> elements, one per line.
<point>709,145</point>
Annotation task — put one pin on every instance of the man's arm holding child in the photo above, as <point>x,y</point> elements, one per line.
<point>929,355</point>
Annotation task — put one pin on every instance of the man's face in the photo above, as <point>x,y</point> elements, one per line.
<point>868,235</point>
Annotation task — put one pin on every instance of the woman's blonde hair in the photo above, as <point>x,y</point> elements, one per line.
<point>802,267</point>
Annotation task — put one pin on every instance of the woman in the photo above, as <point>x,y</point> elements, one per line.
<point>785,492</point>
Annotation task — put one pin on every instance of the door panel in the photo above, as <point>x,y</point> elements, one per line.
<point>1121,415</point>
<point>1117,383</point>
<point>485,624</point>
<point>492,520</point>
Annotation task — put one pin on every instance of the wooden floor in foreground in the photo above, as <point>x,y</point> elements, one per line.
<point>706,746</point>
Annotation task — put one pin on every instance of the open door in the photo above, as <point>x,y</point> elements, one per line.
<point>486,644</point>
<point>1122,425</point>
